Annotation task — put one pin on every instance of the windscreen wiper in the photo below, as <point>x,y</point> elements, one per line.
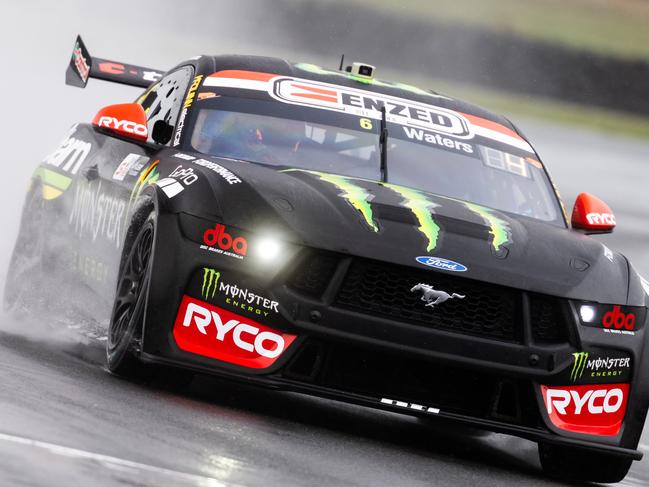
<point>383,144</point>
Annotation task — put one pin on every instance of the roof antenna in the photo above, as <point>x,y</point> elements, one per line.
<point>342,60</point>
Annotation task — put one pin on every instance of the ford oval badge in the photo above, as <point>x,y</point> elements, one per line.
<point>443,264</point>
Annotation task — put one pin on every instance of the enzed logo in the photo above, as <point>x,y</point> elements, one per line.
<point>210,282</point>
<point>579,365</point>
<point>369,104</point>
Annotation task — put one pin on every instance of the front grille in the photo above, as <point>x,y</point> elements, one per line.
<point>313,274</point>
<point>380,289</point>
<point>548,324</point>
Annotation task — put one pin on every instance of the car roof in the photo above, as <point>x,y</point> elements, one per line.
<point>206,65</point>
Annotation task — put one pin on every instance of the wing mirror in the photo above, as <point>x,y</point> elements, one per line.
<point>126,120</point>
<point>592,215</point>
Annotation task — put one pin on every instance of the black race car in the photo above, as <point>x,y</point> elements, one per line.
<point>325,232</point>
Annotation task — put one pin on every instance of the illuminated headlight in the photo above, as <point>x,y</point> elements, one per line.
<point>267,248</point>
<point>587,313</point>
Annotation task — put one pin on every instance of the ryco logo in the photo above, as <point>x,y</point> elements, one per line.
<point>217,236</point>
<point>210,331</point>
<point>124,126</point>
<point>594,409</point>
<point>601,218</point>
<point>616,319</point>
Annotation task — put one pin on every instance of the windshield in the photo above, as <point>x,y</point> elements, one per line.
<point>285,135</point>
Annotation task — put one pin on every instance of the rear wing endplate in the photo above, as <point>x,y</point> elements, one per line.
<point>82,67</point>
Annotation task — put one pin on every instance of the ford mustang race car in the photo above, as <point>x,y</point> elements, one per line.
<point>325,232</point>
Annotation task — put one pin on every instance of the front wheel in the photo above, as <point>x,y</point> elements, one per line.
<point>582,465</point>
<point>125,329</point>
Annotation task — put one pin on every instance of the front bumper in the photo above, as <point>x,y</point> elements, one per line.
<point>378,361</point>
<point>278,382</point>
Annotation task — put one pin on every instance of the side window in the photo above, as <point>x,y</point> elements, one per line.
<point>163,100</point>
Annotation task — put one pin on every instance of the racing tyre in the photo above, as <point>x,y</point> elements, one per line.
<point>582,465</point>
<point>125,329</point>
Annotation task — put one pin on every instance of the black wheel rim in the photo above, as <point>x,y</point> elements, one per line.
<point>129,302</point>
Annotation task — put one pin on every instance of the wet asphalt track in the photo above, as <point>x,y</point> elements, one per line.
<point>65,421</point>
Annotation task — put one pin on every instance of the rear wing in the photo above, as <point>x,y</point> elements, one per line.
<point>83,67</point>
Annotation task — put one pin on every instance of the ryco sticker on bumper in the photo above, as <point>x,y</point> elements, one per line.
<point>210,331</point>
<point>588,409</point>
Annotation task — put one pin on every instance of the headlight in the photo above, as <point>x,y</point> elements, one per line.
<point>266,248</point>
<point>587,313</point>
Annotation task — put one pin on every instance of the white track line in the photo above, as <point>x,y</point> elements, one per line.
<point>112,461</point>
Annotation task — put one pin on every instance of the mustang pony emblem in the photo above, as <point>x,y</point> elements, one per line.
<point>432,296</point>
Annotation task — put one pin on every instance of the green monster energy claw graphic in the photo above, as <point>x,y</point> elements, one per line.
<point>421,207</point>
<point>499,228</point>
<point>355,195</point>
<point>579,365</point>
<point>210,282</point>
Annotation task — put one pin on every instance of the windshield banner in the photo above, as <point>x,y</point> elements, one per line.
<point>363,103</point>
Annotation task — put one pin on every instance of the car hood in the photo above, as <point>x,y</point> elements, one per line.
<point>397,224</point>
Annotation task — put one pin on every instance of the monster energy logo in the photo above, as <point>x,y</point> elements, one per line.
<point>355,195</point>
<point>422,208</point>
<point>418,203</point>
<point>579,365</point>
<point>210,282</point>
<point>498,228</point>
